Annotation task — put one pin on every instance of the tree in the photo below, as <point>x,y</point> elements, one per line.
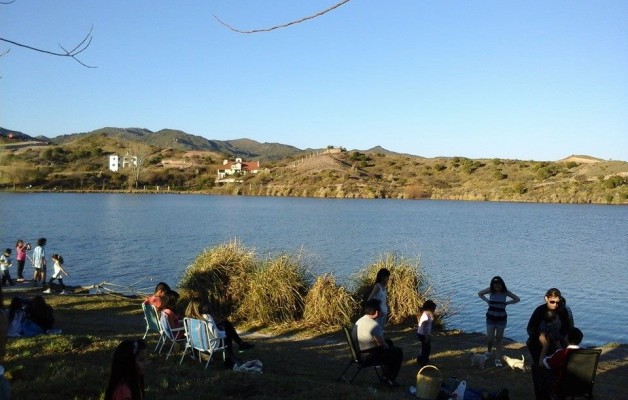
<point>73,53</point>
<point>138,154</point>
<point>284,25</point>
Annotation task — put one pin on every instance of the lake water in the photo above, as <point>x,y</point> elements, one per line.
<point>124,238</point>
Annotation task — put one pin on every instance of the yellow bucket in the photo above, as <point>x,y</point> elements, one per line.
<point>428,385</point>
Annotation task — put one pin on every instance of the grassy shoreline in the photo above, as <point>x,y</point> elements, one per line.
<point>298,363</point>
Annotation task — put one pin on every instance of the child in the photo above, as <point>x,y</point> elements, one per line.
<point>550,327</point>
<point>557,361</point>
<point>496,317</point>
<point>126,381</point>
<point>5,264</point>
<point>39,262</point>
<point>424,331</point>
<point>58,270</point>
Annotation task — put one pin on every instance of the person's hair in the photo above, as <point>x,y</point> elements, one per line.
<point>169,299</point>
<point>14,307</point>
<point>553,292</point>
<point>163,286</point>
<point>7,251</point>
<point>574,336</point>
<point>563,301</point>
<point>429,305</point>
<point>18,242</point>
<point>371,306</point>
<point>196,308</point>
<point>550,316</point>
<point>124,369</point>
<point>497,279</point>
<point>41,241</point>
<point>381,274</point>
<point>58,257</point>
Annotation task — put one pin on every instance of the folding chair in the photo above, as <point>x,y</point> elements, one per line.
<point>199,339</point>
<point>169,333</point>
<point>579,374</point>
<point>360,359</point>
<point>152,322</point>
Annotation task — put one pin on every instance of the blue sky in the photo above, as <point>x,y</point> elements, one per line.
<point>510,79</point>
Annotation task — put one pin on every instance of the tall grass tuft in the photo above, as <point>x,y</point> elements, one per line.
<point>407,287</point>
<point>219,274</point>
<point>328,305</point>
<point>275,291</point>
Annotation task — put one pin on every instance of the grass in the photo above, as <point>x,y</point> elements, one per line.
<point>298,363</point>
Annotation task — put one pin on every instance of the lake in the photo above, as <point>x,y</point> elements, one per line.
<point>126,238</point>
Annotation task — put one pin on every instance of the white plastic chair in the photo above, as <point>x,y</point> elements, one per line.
<point>200,340</point>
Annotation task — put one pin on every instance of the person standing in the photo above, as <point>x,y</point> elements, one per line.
<point>39,262</point>
<point>496,317</point>
<point>535,326</point>
<point>379,292</point>
<point>58,270</point>
<point>20,257</point>
<point>370,338</point>
<point>5,264</point>
<point>424,331</point>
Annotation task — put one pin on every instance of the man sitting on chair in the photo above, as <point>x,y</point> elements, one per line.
<point>558,361</point>
<point>370,339</point>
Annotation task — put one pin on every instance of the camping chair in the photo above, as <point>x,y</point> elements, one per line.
<point>579,374</point>
<point>152,322</point>
<point>169,333</point>
<point>360,359</point>
<point>199,339</point>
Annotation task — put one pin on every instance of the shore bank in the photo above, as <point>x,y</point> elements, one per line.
<point>297,363</point>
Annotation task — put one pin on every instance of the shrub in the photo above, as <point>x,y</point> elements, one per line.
<point>219,274</point>
<point>407,288</point>
<point>328,304</point>
<point>275,291</point>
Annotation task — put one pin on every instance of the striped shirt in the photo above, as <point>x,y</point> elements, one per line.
<point>496,307</point>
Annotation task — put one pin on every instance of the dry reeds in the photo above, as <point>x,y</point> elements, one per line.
<point>328,305</point>
<point>407,287</point>
<point>275,291</point>
<point>219,275</point>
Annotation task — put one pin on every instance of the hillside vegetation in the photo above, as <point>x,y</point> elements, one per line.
<point>175,161</point>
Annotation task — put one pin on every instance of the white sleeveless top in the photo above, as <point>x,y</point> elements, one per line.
<point>382,297</point>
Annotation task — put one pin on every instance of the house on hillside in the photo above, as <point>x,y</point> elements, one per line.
<point>127,161</point>
<point>237,168</point>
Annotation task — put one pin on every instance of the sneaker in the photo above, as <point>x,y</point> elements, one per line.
<point>47,291</point>
<point>63,292</point>
<point>245,346</point>
<point>498,363</point>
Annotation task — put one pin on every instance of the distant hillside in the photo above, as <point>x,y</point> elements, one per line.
<point>179,140</point>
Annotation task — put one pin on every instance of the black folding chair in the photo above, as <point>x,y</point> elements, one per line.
<point>360,359</point>
<point>579,374</point>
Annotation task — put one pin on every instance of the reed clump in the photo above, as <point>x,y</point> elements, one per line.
<point>280,290</point>
<point>275,291</point>
<point>219,274</point>
<point>407,288</point>
<point>328,304</point>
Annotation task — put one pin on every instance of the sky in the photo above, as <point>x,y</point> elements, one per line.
<point>527,80</point>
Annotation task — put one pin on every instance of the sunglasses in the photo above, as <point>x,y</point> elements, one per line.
<point>554,302</point>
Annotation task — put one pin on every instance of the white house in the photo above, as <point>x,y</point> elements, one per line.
<point>237,167</point>
<point>127,161</point>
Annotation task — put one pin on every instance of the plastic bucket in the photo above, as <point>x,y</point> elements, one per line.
<point>428,382</point>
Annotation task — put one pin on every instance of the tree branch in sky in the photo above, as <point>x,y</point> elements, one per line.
<point>78,49</point>
<point>298,21</point>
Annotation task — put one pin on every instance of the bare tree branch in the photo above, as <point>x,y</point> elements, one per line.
<point>78,49</point>
<point>298,21</point>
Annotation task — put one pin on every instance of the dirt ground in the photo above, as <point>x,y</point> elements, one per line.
<point>318,359</point>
